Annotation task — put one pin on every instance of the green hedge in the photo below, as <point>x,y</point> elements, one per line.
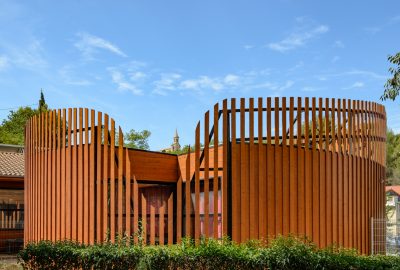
<point>281,253</point>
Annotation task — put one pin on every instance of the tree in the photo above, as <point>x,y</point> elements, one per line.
<point>392,85</point>
<point>392,158</point>
<point>42,103</point>
<point>12,128</point>
<point>137,139</point>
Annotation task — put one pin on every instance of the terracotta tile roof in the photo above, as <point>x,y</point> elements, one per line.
<point>395,189</point>
<point>12,164</point>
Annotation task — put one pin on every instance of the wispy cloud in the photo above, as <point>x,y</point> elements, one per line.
<point>68,76</point>
<point>202,83</point>
<point>248,47</point>
<point>88,44</point>
<point>168,82</point>
<point>29,56</point>
<point>338,44</point>
<point>387,23</point>
<point>355,85</point>
<point>122,84</point>
<point>298,39</point>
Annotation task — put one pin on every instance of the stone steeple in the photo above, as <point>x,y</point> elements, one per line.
<point>176,146</point>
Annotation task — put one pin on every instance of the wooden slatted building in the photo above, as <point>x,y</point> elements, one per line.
<point>259,168</point>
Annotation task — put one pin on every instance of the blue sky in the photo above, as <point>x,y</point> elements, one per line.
<point>159,65</point>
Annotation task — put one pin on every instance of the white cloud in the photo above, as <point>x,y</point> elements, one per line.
<point>202,83</point>
<point>231,79</point>
<point>372,30</point>
<point>69,77</point>
<point>168,82</point>
<point>137,75</point>
<point>309,89</point>
<point>338,44</point>
<point>29,57</point>
<point>89,44</point>
<point>355,85</point>
<point>248,47</point>
<point>123,85</point>
<point>298,39</point>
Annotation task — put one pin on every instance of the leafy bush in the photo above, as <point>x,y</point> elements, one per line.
<point>281,253</point>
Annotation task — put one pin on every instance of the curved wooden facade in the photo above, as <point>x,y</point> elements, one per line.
<point>302,166</point>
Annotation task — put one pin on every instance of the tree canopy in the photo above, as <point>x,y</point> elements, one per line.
<point>137,139</point>
<point>392,85</point>
<point>392,158</point>
<point>12,128</point>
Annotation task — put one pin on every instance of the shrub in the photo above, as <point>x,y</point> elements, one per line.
<point>280,253</point>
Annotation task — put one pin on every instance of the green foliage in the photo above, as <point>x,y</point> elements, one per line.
<point>42,103</point>
<point>392,158</point>
<point>12,128</point>
<point>281,253</point>
<point>392,85</point>
<point>137,139</point>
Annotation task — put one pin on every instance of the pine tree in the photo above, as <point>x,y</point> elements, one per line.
<point>42,103</point>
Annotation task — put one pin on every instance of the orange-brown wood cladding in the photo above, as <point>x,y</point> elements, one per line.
<point>298,166</point>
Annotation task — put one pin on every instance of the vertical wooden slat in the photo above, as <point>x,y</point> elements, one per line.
<point>285,172</point>
<point>340,174</point>
<point>178,213</point>
<point>224,188</point>
<point>346,199</point>
<point>244,216</point>
<point>112,181</point>
<point>99,190</point>
<point>308,173</point>
<point>152,224</point>
<point>315,175</point>
<point>216,165</point>
<point>74,178</point>
<point>68,201</point>
<point>235,173</point>
<point>92,198</point>
<point>300,172</point>
<point>86,169</point>
<point>197,184</point>
<point>106,177</point>
<point>261,175</point>
<point>144,219</point>
<point>161,216</point>
<point>334,176</point>
<point>135,209</point>
<point>128,189</point>
<point>53,177</point>
<point>63,174</point>
<point>252,181</point>
<point>120,181</point>
<point>270,175</point>
<point>322,179</point>
<point>47,181</point>
<point>206,151</point>
<point>293,171</point>
<point>171,219</point>
<point>59,182</point>
<point>188,197</point>
<point>81,164</point>
<point>278,173</point>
